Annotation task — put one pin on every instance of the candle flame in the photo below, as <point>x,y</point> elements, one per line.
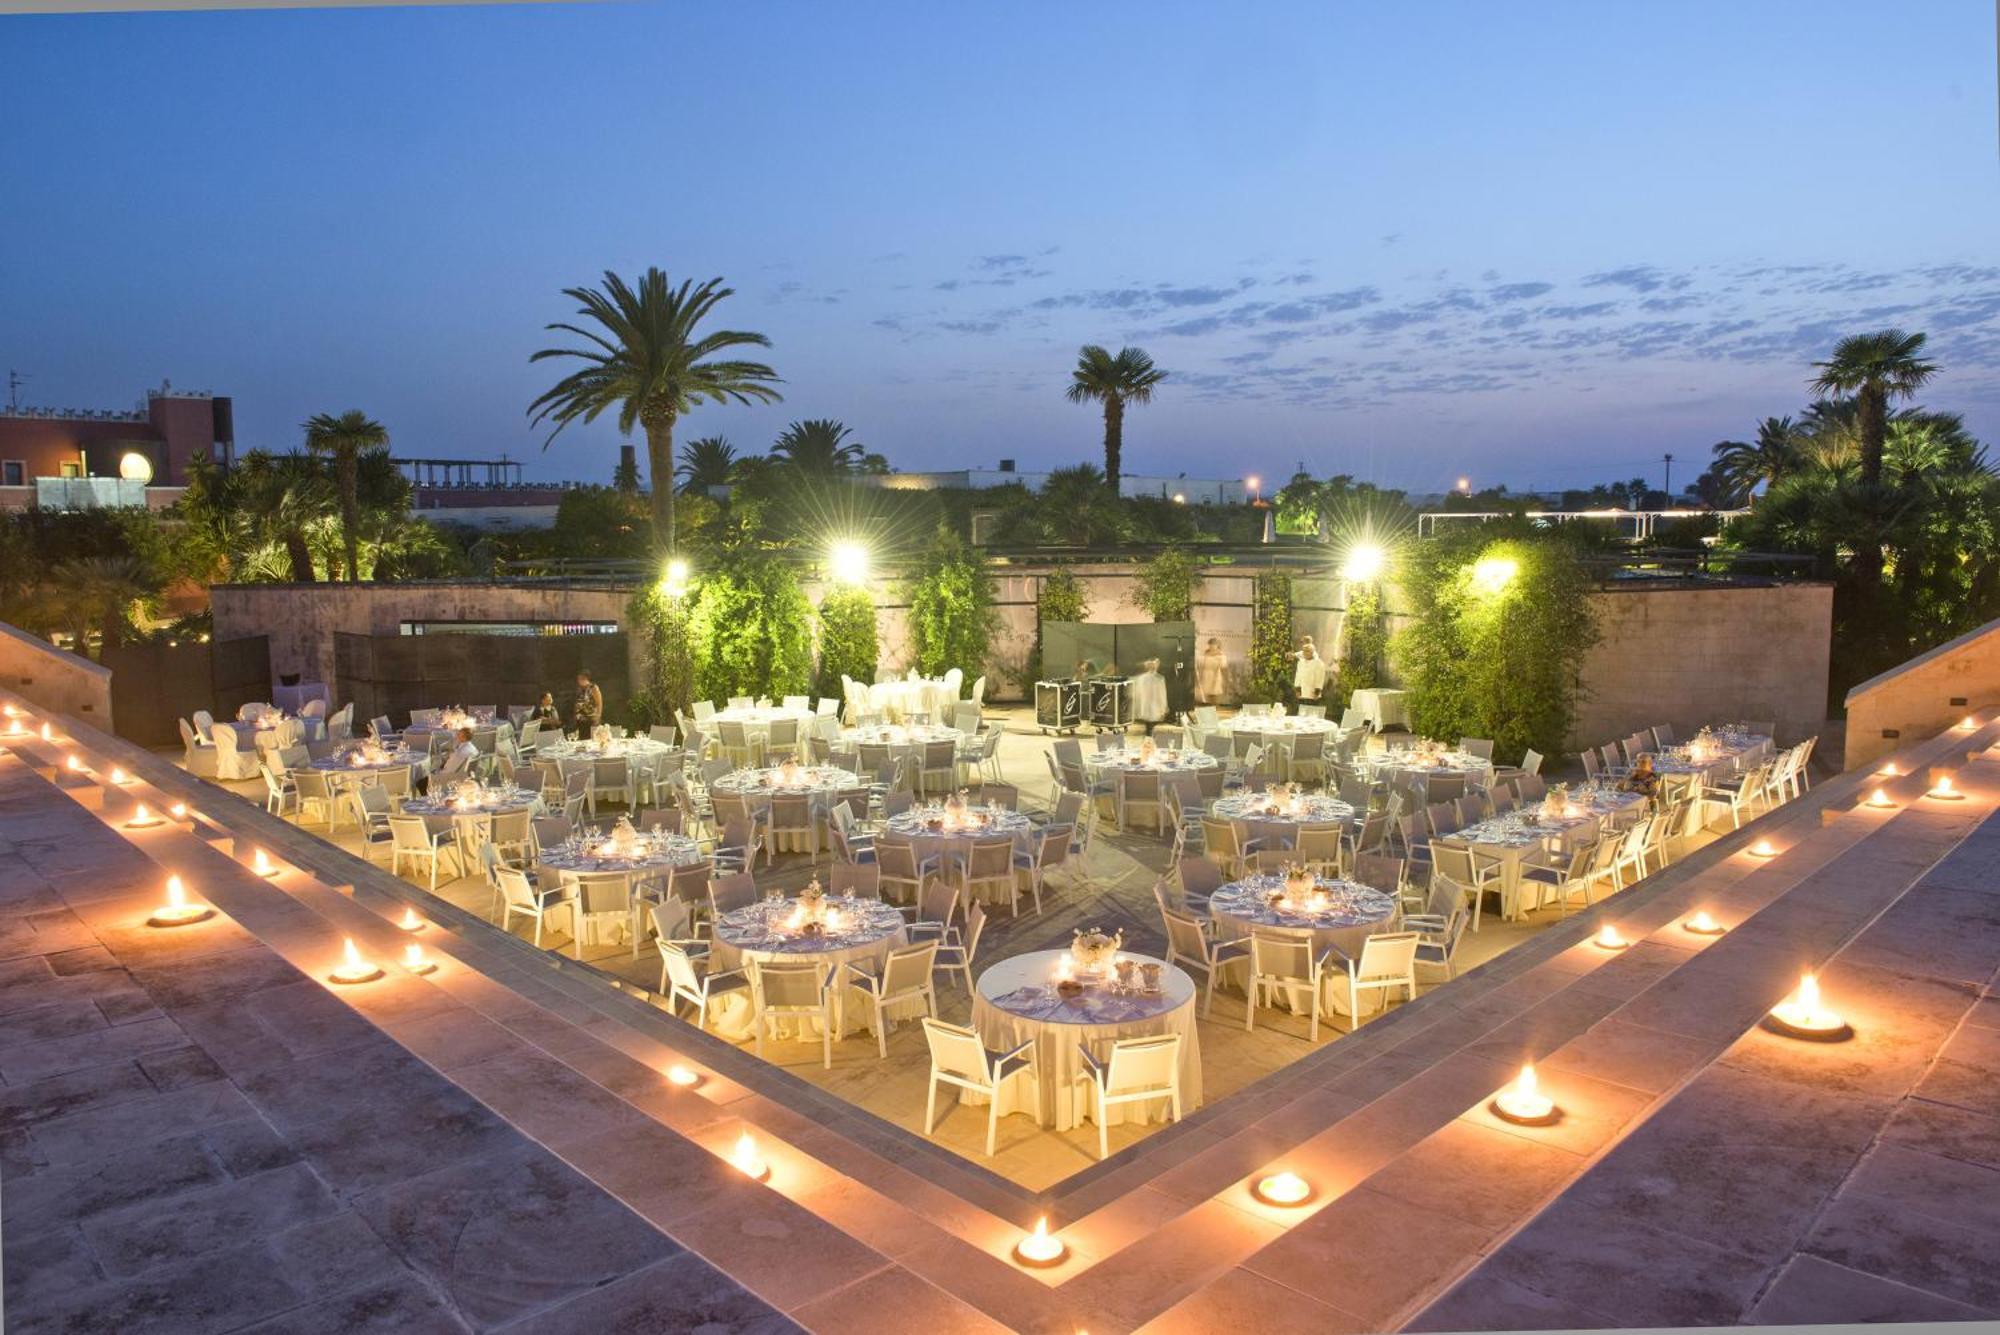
<point>176,893</point>
<point>1808,994</point>
<point>1525,1085</point>
<point>683,1076</point>
<point>120,776</point>
<point>413,956</point>
<point>264,868</point>
<point>746,1158</point>
<point>351,956</point>
<point>178,810</point>
<point>411,922</point>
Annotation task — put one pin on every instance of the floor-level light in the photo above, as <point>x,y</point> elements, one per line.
<point>74,765</point>
<point>415,961</point>
<point>684,1076</point>
<point>1880,798</point>
<point>1889,771</point>
<point>353,968</point>
<point>1967,724</point>
<point>119,776</point>
<point>1609,938</point>
<point>1943,791</point>
<point>14,728</point>
<point>48,733</point>
<point>1763,848</point>
<point>261,864</point>
<point>177,911</point>
<point>143,819</point>
<point>746,1159</point>
<point>1702,924</point>
<point>410,922</point>
<point>1804,1015</point>
<point>1040,1248</point>
<point>179,811</point>
<point>1523,1102</point>
<point>1284,1188</point>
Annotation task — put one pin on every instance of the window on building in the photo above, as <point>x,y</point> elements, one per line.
<point>71,468</point>
<point>13,473</point>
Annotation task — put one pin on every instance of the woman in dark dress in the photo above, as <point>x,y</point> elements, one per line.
<point>546,714</point>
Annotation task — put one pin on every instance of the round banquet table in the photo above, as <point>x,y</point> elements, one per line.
<point>1281,729</point>
<point>929,839</point>
<point>906,741</point>
<point>754,935</point>
<point>655,857</point>
<point>1015,1001</point>
<point>1257,810</point>
<point>442,813</point>
<point>821,782</point>
<point>897,700</point>
<point>631,748</point>
<point>756,719</point>
<point>339,768</point>
<point>1164,761</point>
<point>1355,913</point>
<point>1477,773</point>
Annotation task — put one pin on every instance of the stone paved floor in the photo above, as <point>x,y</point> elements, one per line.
<point>194,1136</point>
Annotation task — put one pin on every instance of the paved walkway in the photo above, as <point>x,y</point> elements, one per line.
<point>196,1136</point>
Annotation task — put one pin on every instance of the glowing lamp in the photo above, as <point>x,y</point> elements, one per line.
<point>135,467</point>
<point>1041,1248</point>
<point>179,811</point>
<point>119,776</point>
<point>14,728</point>
<point>1880,798</point>
<point>1364,562</point>
<point>684,1076</point>
<point>1889,771</point>
<point>142,819</point>
<point>1493,573</point>
<point>1967,724</point>
<point>1763,848</point>
<point>1523,1102</point>
<point>675,583</point>
<point>848,562</point>
<point>1942,791</point>
<point>261,864</point>
<point>177,912</point>
<point>747,1161</point>
<point>1180,498</point>
<point>1804,1015</point>
<point>410,922</point>
<point>48,733</point>
<point>353,968</point>
<point>1465,484</point>
<point>1703,924</point>
<point>1284,1189</point>
<point>415,961</point>
<point>1609,938</point>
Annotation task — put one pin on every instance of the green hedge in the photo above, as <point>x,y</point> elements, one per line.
<point>1271,648</point>
<point>951,607</point>
<point>750,632</point>
<point>1366,632</point>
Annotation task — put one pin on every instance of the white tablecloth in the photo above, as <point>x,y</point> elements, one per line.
<point>1722,764</point>
<point>1254,808</point>
<point>1382,708</point>
<point>914,825</point>
<point>744,937</point>
<point>897,700</point>
<point>1163,762</point>
<point>1005,1018</point>
<point>1356,913</point>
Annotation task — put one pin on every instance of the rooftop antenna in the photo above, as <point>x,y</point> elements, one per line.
<point>14,379</point>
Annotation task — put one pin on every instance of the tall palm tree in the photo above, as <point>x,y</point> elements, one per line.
<point>820,446</point>
<point>344,439</point>
<point>708,462</point>
<point>1742,465</point>
<point>647,361</point>
<point>1875,368</point>
<point>1114,382</point>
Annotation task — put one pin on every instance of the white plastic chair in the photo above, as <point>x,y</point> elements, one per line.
<point>1139,1070</point>
<point>959,1059</point>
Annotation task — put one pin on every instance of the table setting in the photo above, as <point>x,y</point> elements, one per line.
<point>1712,755</point>
<point>1149,756</point>
<point>835,931</point>
<point>640,853</point>
<point>821,781</point>
<point>468,799</point>
<point>954,825</point>
<point>1426,759</point>
<point>1331,911</point>
<point>365,761</point>
<point>1284,808</point>
<point>1092,994</point>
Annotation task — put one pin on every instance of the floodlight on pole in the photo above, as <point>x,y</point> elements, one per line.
<point>1494,573</point>
<point>1365,561</point>
<point>848,563</point>
<point>675,582</point>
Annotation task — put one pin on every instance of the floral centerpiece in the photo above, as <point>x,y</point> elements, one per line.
<point>1556,802</point>
<point>1299,883</point>
<point>1092,949</point>
<point>1148,750</point>
<point>601,735</point>
<point>465,794</point>
<point>788,774</point>
<point>624,840</point>
<point>1278,709</point>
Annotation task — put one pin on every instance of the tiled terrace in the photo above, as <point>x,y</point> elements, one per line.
<point>1706,1171</point>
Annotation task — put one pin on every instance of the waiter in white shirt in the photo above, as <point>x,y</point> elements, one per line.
<point>459,763</point>
<point>1309,678</point>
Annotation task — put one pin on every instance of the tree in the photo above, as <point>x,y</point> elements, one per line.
<point>1164,586</point>
<point>99,592</point>
<point>750,630</point>
<point>1077,509</point>
<point>848,641</point>
<point>344,439</point>
<point>648,362</point>
<point>951,607</point>
<point>1114,381</point>
<point>819,446</point>
<point>1743,466</point>
<point>705,463</point>
<point>1875,368</point>
<point>1271,646</point>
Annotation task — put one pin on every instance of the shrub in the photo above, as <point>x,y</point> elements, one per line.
<point>1366,628</point>
<point>1164,588</point>
<point>951,607</point>
<point>847,640</point>
<point>667,681</point>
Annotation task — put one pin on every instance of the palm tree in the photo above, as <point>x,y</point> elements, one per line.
<point>1875,368</point>
<point>1743,465</point>
<point>1073,507</point>
<point>647,361</point>
<point>1114,382</point>
<point>345,439</point>
<point>101,590</point>
<point>708,462</point>
<point>820,446</point>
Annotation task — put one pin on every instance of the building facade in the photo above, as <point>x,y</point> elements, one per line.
<point>94,452</point>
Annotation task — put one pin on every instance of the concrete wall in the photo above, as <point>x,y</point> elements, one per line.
<point>1923,696</point>
<point>54,679</point>
<point>1690,656</point>
<point>1669,655</point>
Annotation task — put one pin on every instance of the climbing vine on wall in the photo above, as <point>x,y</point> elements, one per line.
<point>1271,637</point>
<point>1365,629</point>
<point>951,607</point>
<point>750,631</point>
<point>1164,587</point>
<point>667,677</point>
<point>1502,621</point>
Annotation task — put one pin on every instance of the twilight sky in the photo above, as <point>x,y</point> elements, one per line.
<point>1532,243</point>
